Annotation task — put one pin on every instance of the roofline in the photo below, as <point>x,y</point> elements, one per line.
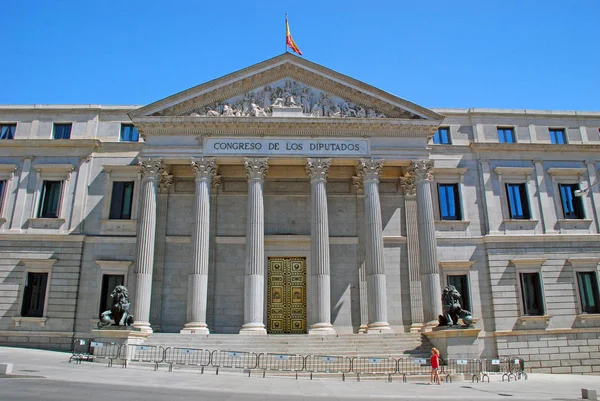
<point>516,112</point>
<point>78,107</point>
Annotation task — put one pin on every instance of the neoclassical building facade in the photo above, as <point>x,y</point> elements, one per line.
<point>287,198</point>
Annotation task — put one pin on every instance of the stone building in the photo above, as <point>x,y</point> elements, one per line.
<point>287,198</point>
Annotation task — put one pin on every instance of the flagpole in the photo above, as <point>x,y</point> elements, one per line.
<point>286,48</point>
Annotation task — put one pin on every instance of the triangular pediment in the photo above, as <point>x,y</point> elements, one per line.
<point>286,86</point>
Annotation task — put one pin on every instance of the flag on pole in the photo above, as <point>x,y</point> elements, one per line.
<point>288,38</point>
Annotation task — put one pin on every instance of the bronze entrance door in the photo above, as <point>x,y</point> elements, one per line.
<point>286,296</point>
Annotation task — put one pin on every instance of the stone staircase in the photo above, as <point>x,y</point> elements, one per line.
<point>397,345</point>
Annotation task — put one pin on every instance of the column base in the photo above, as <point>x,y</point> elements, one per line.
<point>253,329</point>
<point>195,328</point>
<point>363,329</point>
<point>429,326</point>
<point>379,328</point>
<point>322,329</point>
<point>144,327</point>
<point>416,327</point>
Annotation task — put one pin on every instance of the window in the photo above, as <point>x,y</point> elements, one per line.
<point>62,131</point>
<point>518,204</point>
<point>588,292</point>
<point>7,131</point>
<point>572,206</point>
<point>531,291</point>
<point>461,282</point>
<point>109,282</point>
<point>50,200</point>
<point>34,296</point>
<point>449,202</point>
<point>129,133</point>
<point>557,136</point>
<point>442,136</point>
<point>506,135</point>
<point>2,186</point>
<point>122,197</point>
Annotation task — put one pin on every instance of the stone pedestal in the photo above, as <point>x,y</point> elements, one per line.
<point>119,337</point>
<point>455,342</point>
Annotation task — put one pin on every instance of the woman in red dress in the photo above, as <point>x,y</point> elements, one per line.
<point>434,377</point>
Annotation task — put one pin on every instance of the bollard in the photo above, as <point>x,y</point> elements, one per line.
<point>588,394</point>
<point>5,368</point>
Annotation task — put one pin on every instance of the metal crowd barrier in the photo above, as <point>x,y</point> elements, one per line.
<point>281,363</point>
<point>141,353</point>
<point>489,367</point>
<point>80,350</point>
<point>234,360</point>
<point>374,366</point>
<point>187,357</point>
<point>468,367</point>
<point>105,350</point>
<point>516,369</point>
<point>328,364</point>
<point>413,366</point>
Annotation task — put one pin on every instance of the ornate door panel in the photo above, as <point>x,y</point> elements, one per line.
<point>286,296</point>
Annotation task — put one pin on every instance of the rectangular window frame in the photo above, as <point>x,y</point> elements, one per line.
<point>595,292</point>
<point>34,266</point>
<point>527,266</point>
<point>120,174</point>
<point>61,125</point>
<point>125,126</point>
<point>540,295</point>
<point>439,139</point>
<point>576,201</point>
<point>44,199</point>
<point>5,128</point>
<point>502,131</point>
<point>556,139</point>
<point>457,201</point>
<point>569,175</point>
<point>52,172</point>
<point>109,267</point>
<point>119,214</point>
<point>521,202</point>
<point>585,265</point>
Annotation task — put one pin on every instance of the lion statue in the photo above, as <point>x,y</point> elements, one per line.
<point>452,308</point>
<point>118,315</point>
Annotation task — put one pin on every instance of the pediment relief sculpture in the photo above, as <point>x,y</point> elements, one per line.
<point>286,98</point>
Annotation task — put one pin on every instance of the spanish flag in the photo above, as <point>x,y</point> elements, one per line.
<point>288,38</point>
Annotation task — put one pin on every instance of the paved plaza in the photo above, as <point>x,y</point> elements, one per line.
<point>47,375</point>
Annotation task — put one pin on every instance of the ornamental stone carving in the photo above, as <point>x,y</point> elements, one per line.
<point>286,96</point>
<point>421,170</point>
<point>317,169</point>
<point>165,183</point>
<point>256,168</point>
<point>152,169</point>
<point>369,169</point>
<point>408,185</point>
<point>204,168</point>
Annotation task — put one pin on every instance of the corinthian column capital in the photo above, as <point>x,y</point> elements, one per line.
<point>369,169</point>
<point>165,183</point>
<point>421,170</point>
<point>152,169</point>
<point>408,185</point>
<point>204,168</point>
<point>317,169</point>
<point>256,168</point>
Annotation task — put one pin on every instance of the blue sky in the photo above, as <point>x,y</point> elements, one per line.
<point>542,54</point>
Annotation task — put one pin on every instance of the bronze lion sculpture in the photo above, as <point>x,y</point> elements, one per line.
<point>452,308</point>
<point>118,315</point>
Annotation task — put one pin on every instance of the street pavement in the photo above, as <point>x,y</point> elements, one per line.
<point>47,376</point>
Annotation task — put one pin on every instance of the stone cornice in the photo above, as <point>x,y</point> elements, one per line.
<point>280,67</point>
<point>269,126</point>
<point>92,144</point>
<point>533,147</point>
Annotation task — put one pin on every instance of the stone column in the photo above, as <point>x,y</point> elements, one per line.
<point>152,169</point>
<point>317,169</point>
<point>162,206</point>
<point>369,171</point>
<point>429,269</point>
<point>204,171</point>
<point>256,170</point>
<point>412,249</point>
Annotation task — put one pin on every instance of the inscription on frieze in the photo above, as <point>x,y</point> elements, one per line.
<point>289,147</point>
